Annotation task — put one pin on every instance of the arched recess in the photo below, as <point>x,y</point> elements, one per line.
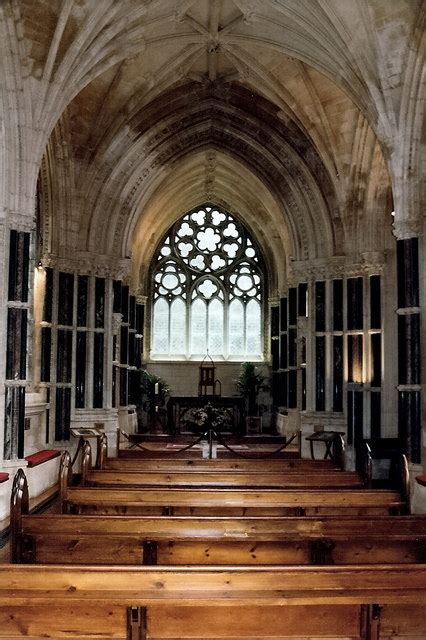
<point>277,153</point>
<point>212,175</point>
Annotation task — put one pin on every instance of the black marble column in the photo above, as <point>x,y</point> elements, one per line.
<point>65,299</point>
<point>320,373</point>
<point>320,344</point>
<point>355,303</point>
<point>14,423</point>
<point>302,300</point>
<point>63,413</point>
<point>81,341</point>
<point>140,319</point>
<point>16,343</point>
<point>409,418</point>
<point>275,343</point>
<point>355,403</point>
<point>117,291</point>
<point>275,353</point>
<point>338,373</point>
<point>281,396</point>
<point>292,348</point>
<point>99,303</point>
<point>320,305</point>
<point>124,294</point>
<point>338,305</point>
<point>80,369</point>
<point>98,370</point>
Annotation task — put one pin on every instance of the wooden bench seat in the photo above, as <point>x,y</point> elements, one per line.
<point>356,603</point>
<point>209,586</point>
<point>131,500</point>
<point>186,541</point>
<point>223,501</point>
<point>316,479</point>
<point>219,465</point>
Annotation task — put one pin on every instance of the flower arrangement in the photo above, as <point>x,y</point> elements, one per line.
<point>207,417</point>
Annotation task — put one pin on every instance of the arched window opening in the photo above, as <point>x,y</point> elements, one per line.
<point>207,290</point>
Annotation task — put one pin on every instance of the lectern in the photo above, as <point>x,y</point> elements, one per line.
<point>207,383</point>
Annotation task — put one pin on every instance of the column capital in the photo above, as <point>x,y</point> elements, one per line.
<point>91,264</point>
<point>406,229</point>
<point>373,262</point>
<point>20,222</point>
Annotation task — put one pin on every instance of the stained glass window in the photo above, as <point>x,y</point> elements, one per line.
<point>207,289</point>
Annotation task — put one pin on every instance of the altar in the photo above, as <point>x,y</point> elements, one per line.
<point>180,412</point>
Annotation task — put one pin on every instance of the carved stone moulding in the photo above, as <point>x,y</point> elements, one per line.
<point>20,221</point>
<point>372,263</point>
<point>141,298</point>
<point>406,229</point>
<point>91,264</point>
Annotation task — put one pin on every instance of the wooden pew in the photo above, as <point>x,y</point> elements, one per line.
<point>125,540</point>
<point>346,480</point>
<point>219,465</point>
<point>350,603</point>
<point>230,501</point>
<point>222,501</point>
<point>189,540</point>
<point>249,473</point>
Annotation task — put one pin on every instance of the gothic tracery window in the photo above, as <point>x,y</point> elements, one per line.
<point>207,290</point>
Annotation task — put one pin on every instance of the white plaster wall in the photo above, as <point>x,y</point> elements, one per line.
<point>39,478</point>
<point>418,498</point>
<point>35,411</point>
<point>182,377</point>
<point>5,489</point>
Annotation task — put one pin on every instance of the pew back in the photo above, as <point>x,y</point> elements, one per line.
<point>223,501</point>
<point>316,479</point>
<point>341,603</point>
<point>230,541</point>
<point>219,465</point>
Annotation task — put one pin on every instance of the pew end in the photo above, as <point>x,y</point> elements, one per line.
<point>102,451</point>
<point>65,480</point>
<point>19,507</point>
<point>86,463</point>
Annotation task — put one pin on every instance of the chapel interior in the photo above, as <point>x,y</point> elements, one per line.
<point>188,186</point>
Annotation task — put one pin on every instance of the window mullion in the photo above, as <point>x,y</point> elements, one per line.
<point>245,327</point>
<point>207,326</point>
<point>169,333</point>
<point>206,248</point>
<point>226,328</point>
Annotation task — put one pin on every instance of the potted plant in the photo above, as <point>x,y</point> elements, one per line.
<point>249,383</point>
<point>154,391</point>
